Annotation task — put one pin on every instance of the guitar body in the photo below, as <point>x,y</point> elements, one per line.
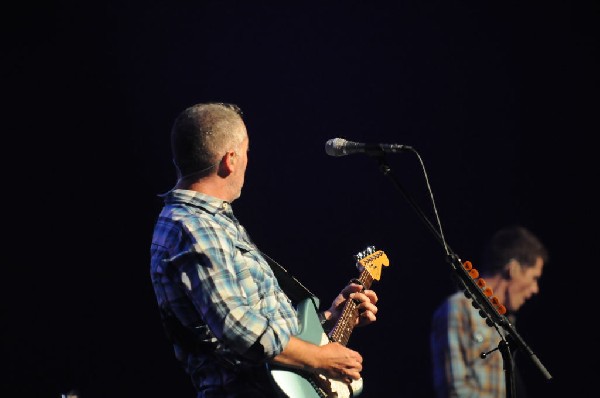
<point>292,383</point>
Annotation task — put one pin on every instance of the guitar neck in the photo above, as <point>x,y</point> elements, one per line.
<point>345,325</point>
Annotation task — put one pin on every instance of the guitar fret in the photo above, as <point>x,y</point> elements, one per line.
<point>342,330</point>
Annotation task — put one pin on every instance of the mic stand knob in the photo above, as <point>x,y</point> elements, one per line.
<point>484,355</point>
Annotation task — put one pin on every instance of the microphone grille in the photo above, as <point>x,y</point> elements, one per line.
<point>335,146</point>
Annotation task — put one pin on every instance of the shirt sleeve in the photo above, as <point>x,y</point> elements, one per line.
<point>235,292</point>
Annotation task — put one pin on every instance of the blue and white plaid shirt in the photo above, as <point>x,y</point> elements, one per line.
<point>458,337</point>
<point>206,272</point>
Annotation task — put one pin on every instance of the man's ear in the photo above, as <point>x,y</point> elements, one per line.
<point>227,163</point>
<point>511,269</point>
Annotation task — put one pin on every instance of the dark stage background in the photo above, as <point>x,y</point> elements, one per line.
<point>500,99</point>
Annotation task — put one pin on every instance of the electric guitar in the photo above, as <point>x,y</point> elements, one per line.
<point>293,383</point>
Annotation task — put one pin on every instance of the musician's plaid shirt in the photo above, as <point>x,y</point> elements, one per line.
<point>459,336</point>
<point>207,272</point>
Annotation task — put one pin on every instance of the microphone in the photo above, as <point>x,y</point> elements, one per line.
<point>342,147</point>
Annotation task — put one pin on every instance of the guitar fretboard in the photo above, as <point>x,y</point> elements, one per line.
<point>345,325</point>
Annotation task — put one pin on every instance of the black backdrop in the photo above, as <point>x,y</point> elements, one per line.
<point>499,99</point>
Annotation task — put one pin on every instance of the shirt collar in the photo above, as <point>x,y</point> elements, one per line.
<point>197,199</point>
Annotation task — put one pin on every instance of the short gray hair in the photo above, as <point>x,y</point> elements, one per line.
<point>202,133</point>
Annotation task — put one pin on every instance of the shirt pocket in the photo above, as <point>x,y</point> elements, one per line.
<point>251,272</point>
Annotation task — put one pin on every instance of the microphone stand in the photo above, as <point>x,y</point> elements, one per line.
<point>486,308</point>
<point>508,368</point>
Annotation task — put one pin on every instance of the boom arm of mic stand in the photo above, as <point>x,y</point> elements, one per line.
<point>475,293</point>
<point>385,169</point>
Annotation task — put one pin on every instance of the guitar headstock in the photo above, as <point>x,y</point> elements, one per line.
<point>371,260</point>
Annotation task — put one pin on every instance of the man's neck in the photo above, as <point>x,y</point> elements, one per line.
<point>207,186</point>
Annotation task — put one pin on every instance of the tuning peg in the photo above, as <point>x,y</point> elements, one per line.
<point>360,255</point>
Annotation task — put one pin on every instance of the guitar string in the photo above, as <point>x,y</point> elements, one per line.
<point>343,336</point>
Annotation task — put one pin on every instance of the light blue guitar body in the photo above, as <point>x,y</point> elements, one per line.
<point>291,383</point>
